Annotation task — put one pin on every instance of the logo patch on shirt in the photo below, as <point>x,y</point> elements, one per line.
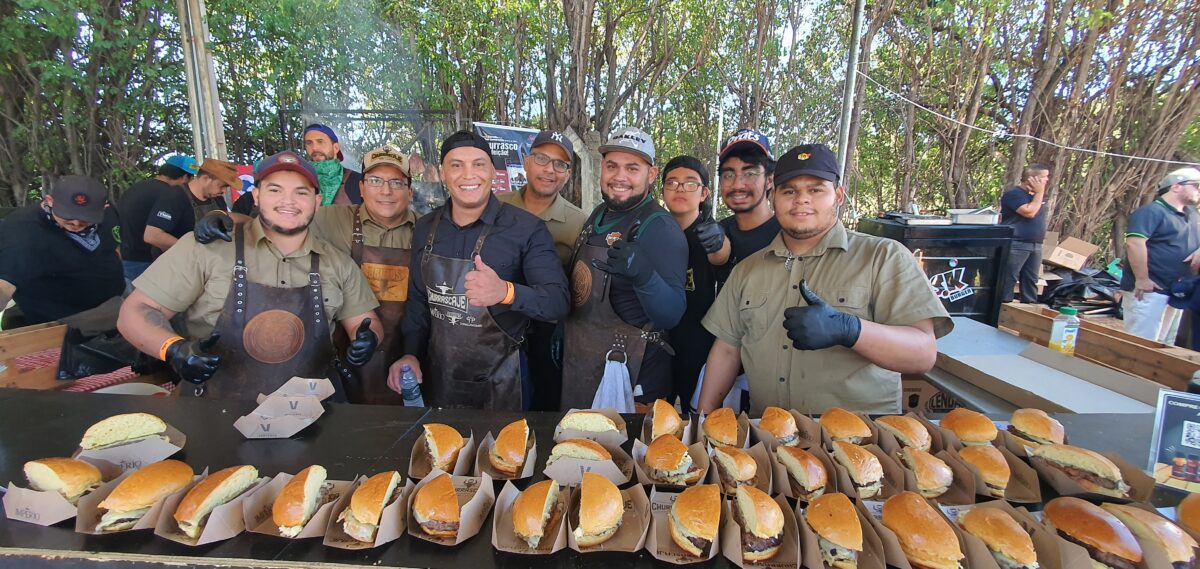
<point>612,237</point>
<point>164,215</point>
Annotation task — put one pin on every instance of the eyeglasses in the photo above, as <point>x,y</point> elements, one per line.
<point>394,183</point>
<point>749,176</point>
<point>677,186</point>
<point>560,166</point>
<point>1193,183</point>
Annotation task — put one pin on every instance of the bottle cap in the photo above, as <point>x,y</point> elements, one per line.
<point>1068,311</point>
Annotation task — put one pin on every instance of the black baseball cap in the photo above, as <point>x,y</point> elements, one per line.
<point>691,163</point>
<point>80,198</point>
<point>464,139</point>
<point>556,138</point>
<point>807,160</point>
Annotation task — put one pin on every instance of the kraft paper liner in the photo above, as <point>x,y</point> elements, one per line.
<point>1153,551</point>
<point>1141,485</point>
<point>1075,556</point>
<point>391,520</point>
<point>1045,543</point>
<point>319,387</point>
<point>893,476</point>
<point>483,466</point>
<point>504,537</point>
<point>659,542</point>
<point>782,482</point>
<point>569,471</point>
<point>41,508</point>
<point>872,440</point>
<point>809,434</point>
<point>872,512</point>
<point>788,556</point>
<point>608,438</point>
<point>961,491</point>
<point>280,417</point>
<point>114,460</point>
<point>420,462</point>
<point>630,536</point>
<point>696,450</point>
<point>224,522</point>
<point>475,498</point>
<point>763,475</point>
<point>689,430</point>
<point>936,441</point>
<point>89,513</point>
<point>743,431</point>
<point>871,557</point>
<point>810,430</point>
<point>258,507</point>
<point>1016,445</point>
<point>977,555</point>
<point>1023,485</point>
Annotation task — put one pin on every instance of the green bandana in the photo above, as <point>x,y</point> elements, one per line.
<point>329,174</point>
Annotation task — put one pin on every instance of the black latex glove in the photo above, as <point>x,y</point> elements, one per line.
<point>214,225</point>
<point>711,236</point>
<point>363,346</point>
<point>191,361</point>
<point>625,259</point>
<point>817,326</point>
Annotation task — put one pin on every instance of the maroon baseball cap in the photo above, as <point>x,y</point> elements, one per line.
<point>286,160</point>
<point>80,198</point>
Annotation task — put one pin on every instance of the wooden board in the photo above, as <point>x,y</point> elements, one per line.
<point>30,340</point>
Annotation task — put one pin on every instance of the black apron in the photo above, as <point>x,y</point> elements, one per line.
<point>269,334</point>
<point>386,270</point>
<point>473,363</point>
<point>199,208</point>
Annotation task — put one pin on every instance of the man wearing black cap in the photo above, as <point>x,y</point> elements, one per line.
<point>260,309</point>
<point>823,316</point>
<point>134,207</point>
<point>59,257</point>
<point>480,270</point>
<point>745,171</point>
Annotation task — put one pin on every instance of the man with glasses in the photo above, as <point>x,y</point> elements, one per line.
<point>745,171</point>
<point>1162,246</point>
<point>1021,207</point>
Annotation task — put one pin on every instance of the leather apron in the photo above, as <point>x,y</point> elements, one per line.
<point>269,334</point>
<point>594,332</point>
<point>472,363</point>
<point>199,208</point>
<point>386,270</point>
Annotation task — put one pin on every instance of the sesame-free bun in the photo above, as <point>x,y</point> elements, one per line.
<point>933,476</point>
<point>735,467</point>
<point>134,496</point>
<point>970,427</point>
<point>582,449</point>
<point>720,428</point>
<point>925,536</point>
<point>361,519</point>
<point>1188,513</point>
<point>908,431</point>
<point>668,462</point>
<point>444,443</point>
<point>589,421</point>
<point>600,510</point>
<point>435,507</point>
<point>1008,542</point>
<point>781,425</point>
<point>69,477</point>
<point>666,421</point>
<point>1091,470</point>
<point>298,500</point>
<point>761,519</point>
<point>1180,546</point>
<point>696,515</point>
<point>843,425</point>
<point>508,453</point>
<point>218,488</point>
<point>1098,531</point>
<point>834,519</point>
<point>992,466</point>
<point>864,468</point>
<point>121,429</point>
<point>1036,426</point>
<point>534,511</point>
<point>806,472</point>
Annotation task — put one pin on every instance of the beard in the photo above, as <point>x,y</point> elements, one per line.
<point>286,231</point>
<point>319,157</point>
<point>615,204</point>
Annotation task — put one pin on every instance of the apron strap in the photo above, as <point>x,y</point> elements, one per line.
<point>479,242</point>
<point>314,287</point>
<point>358,226</point>
<point>239,278</point>
<point>437,218</point>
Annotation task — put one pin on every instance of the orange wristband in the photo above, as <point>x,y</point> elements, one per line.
<point>162,351</point>
<point>512,294</point>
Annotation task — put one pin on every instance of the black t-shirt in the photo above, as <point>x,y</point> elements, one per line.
<point>1024,229</point>
<point>54,275</point>
<point>689,338</point>
<point>133,208</point>
<point>172,211</point>
<point>245,204</point>
<point>1171,235</point>
<point>742,244</point>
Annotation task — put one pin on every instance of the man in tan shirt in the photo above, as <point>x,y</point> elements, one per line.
<point>823,316</point>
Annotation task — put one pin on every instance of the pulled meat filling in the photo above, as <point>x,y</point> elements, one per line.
<point>1078,474</point>
<point>434,525</point>
<point>1112,560</point>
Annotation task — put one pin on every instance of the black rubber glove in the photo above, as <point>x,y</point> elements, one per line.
<point>191,361</point>
<point>625,259</point>
<point>214,225</point>
<point>817,326</point>
<point>711,236</point>
<point>363,346</point>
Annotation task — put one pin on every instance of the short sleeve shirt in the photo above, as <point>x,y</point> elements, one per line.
<point>134,208</point>
<point>335,224</point>
<point>564,220</point>
<point>172,211</point>
<point>1025,229</point>
<point>1171,235</point>
<point>870,277</point>
<point>194,279</point>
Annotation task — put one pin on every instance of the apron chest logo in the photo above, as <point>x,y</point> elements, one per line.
<point>445,304</point>
<point>612,237</point>
<point>388,282</point>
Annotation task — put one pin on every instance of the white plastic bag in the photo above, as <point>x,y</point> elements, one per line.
<point>614,391</point>
<point>733,400</point>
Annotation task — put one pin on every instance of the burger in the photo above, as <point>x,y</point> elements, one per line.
<point>1188,513</point>
<point>864,468</point>
<point>991,465</point>
<point>761,520</point>
<point>845,426</point>
<point>217,489</point>
<point>508,453</point>
<point>933,476</point>
<point>123,429</point>
<point>666,421</point>
<point>734,467</point>
<point>361,519</point>
<point>535,511</point>
<point>1035,427</point>
<point>806,473</point>
<point>132,499</point>
<point>908,431</point>
<point>1008,542</point>
<point>838,530</point>
<point>1153,528</point>
<point>601,508</point>
<point>435,507</point>
<point>668,462</point>
<point>443,443</point>
<point>299,500</point>
<point>970,427</point>
<point>589,421</point>
<point>694,519</point>
<point>781,425</point>
<point>580,449</point>
<point>1091,470</point>
<point>721,428</point>
<point>70,477</point>
<point>925,536</point>
<point>1108,542</point>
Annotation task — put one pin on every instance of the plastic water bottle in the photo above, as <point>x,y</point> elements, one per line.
<point>410,390</point>
<point>1064,330</point>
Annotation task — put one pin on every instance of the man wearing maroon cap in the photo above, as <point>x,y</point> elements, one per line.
<point>257,310</point>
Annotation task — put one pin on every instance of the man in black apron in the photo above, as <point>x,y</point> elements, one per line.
<point>257,311</point>
<point>177,210</point>
<point>627,280</point>
<point>482,271</point>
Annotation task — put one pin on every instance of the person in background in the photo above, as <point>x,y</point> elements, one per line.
<point>745,171</point>
<point>176,210</point>
<point>134,205</point>
<point>1022,208</point>
<point>338,185</point>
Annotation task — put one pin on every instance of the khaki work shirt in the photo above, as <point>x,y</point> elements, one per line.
<point>870,277</point>
<point>335,224</point>
<point>193,279</point>
<point>564,220</point>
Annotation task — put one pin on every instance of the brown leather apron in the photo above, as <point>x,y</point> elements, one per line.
<point>472,363</point>
<point>386,269</point>
<point>269,334</point>
<point>199,208</point>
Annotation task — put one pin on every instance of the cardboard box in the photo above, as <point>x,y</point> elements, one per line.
<point>920,396</point>
<point>1072,253</point>
<point>1049,243</point>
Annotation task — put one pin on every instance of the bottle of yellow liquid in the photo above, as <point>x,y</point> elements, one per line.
<point>1064,330</point>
